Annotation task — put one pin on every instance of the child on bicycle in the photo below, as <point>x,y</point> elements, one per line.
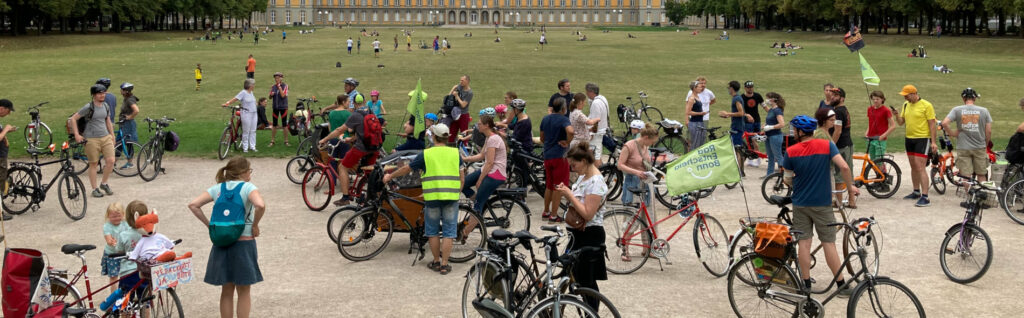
<point>113,228</point>
<point>881,123</point>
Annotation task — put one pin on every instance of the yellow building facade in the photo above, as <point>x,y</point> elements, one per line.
<point>463,12</point>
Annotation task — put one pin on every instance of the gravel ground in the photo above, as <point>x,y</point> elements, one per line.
<point>305,276</point>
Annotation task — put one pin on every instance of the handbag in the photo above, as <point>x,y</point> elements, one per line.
<point>770,239</point>
<point>574,219</point>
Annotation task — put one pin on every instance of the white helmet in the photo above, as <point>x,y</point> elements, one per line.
<point>637,124</point>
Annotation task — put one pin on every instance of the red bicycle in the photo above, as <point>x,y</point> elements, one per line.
<point>232,136</point>
<point>318,185</point>
<point>629,231</point>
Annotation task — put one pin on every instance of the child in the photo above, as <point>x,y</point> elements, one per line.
<point>112,231</point>
<point>199,75</point>
<point>376,106</point>
<point>127,242</point>
<point>880,124</point>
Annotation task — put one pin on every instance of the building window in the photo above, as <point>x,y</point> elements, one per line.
<point>507,3</point>
<point>648,5</point>
<point>363,2</point>
<point>408,3</point>
<point>451,3</point>
<point>273,17</point>
<point>462,3</point>
<point>288,17</point>
<point>519,3</point>
<point>563,3</point>
<point>302,3</point>
<point>302,16</point>
<point>273,3</point>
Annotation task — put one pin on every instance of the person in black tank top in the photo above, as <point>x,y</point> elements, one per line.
<point>694,109</point>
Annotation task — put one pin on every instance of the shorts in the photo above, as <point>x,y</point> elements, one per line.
<point>556,171</point>
<point>737,138</point>
<point>807,218</point>
<point>350,49</point>
<point>376,50</point>
<point>199,80</point>
<point>110,267</point>
<point>442,220</point>
<point>283,115</point>
<point>876,149</point>
<point>94,147</point>
<point>847,154</point>
<point>971,162</point>
<point>250,74</point>
<point>358,157</point>
<point>917,147</point>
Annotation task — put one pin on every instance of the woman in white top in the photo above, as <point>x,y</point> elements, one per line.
<point>587,197</point>
<point>248,102</point>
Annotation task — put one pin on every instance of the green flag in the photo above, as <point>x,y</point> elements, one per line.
<point>867,72</point>
<point>712,164</point>
<point>416,99</point>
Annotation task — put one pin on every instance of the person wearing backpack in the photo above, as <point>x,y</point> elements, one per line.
<point>366,140</point>
<point>97,131</point>
<point>233,263</point>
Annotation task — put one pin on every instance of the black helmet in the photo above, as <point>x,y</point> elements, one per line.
<point>127,86</point>
<point>97,88</point>
<point>970,93</point>
<point>104,81</point>
<point>352,81</point>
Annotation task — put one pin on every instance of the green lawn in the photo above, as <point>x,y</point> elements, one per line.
<point>59,69</point>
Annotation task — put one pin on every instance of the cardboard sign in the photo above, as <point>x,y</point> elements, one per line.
<point>170,274</point>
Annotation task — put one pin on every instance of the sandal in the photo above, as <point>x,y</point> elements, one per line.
<point>445,269</point>
<point>435,266</point>
<point>271,144</point>
<point>287,144</point>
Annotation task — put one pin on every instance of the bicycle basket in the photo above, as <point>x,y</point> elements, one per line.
<point>770,239</point>
<point>672,127</point>
<point>171,141</point>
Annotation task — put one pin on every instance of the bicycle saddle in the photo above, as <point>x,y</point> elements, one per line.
<point>781,200</point>
<point>73,248</point>
<point>500,234</point>
<point>524,234</point>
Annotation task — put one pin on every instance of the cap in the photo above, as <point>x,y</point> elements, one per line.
<point>7,104</point>
<point>439,130</point>
<point>841,92</point>
<point>278,74</point>
<point>748,84</point>
<point>909,89</point>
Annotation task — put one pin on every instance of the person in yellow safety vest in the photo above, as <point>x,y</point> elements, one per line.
<point>442,180</point>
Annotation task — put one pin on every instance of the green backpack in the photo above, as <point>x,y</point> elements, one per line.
<point>227,221</point>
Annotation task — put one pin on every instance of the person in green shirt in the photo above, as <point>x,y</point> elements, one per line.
<point>337,115</point>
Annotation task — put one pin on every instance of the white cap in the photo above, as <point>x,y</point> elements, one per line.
<point>637,124</point>
<point>439,130</point>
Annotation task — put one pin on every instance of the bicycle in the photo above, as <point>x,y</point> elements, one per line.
<point>525,169</point>
<point>882,178</point>
<point>627,228</point>
<point>150,160</point>
<point>25,191</point>
<point>642,110</point>
<point>308,156</point>
<point>671,133</point>
<point>502,284</point>
<point>320,180</point>
<point>232,136</point>
<point>959,253</point>
<point>942,166</point>
<point>164,303</point>
<point>37,133</point>
<point>125,153</point>
<point>373,224</point>
<point>760,286</point>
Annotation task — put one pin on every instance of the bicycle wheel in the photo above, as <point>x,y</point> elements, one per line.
<point>938,181</point>
<point>872,242</point>
<point>675,144</point>
<point>471,234</point>
<point>613,179</point>
<point>317,188</point>
<point>72,195</point>
<point>148,162</point>
<point>711,244</point>
<point>225,143</point>
<point>39,137</point>
<point>1013,201</point>
<point>167,304</point>
<point>773,185</point>
<point>80,161</point>
<point>1013,174</point>
<point>890,172</point>
<point>506,213</point>
<point>886,298</point>
<point>627,235</point>
<point>605,307</point>
<point>306,146</point>
<point>60,291</point>
<point>365,234</point>
<point>483,287</point>
<point>740,244</point>
<point>297,168</point>
<point>562,307</point>
<point>966,253</point>
<point>124,155</point>
<point>651,114</point>
<point>751,285</point>
<point>338,218</point>
<point>21,189</point>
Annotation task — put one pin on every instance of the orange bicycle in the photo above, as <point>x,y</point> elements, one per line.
<point>882,178</point>
<point>942,166</point>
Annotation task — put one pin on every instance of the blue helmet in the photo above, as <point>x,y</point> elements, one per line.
<point>430,116</point>
<point>489,111</point>
<point>804,123</point>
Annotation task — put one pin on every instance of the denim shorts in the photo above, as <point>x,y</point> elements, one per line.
<point>441,220</point>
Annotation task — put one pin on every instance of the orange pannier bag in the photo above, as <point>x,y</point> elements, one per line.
<point>770,239</point>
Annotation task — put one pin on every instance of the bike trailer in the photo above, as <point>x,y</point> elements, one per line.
<point>25,282</point>
<point>171,141</point>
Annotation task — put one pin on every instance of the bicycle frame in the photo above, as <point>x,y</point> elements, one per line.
<point>37,169</point>
<point>863,175</point>
<point>749,149</point>
<point>653,225</point>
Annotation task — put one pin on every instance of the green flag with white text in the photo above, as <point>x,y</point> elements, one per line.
<point>712,164</point>
<point>867,72</point>
<point>415,108</point>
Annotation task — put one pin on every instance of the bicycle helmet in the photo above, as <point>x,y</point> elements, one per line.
<point>430,116</point>
<point>104,81</point>
<point>804,123</point>
<point>97,88</point>
<point>518,104</point>
<point>637,124</point>
<point>359,99</point>
<point>374,93</point>
<point>501,108</point>
<point>352,81</point>
<point>127,86</point>
<point>489,111</point>
<point>970,93</point>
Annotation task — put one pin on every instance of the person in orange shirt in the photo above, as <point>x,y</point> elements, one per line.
<point>250,68</point>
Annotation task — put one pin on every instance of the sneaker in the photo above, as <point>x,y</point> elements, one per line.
<point>846,290</point>
<point>96,193</point>
<point>913,196</point>
<point>545,215</point>
<point>127,166</point>
<point>7,217</point>
<point>923,202</point>
<point>106,188</point>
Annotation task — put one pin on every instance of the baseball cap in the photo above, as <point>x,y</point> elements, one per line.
<point>440,130</point>
<point>909,89</point>
<point>7,104</point>
<point>841,92</point>
<point>748,84</point>
<point>278,74</point>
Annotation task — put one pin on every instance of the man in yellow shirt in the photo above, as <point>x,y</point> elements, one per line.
<point>919,117</point>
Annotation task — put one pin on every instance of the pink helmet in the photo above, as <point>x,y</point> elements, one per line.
<point>374,93</point>
<point>501,108</point>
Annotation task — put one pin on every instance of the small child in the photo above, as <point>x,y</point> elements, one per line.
<point>199,75</point>
<point>112,230</point>
<point>376,105</point>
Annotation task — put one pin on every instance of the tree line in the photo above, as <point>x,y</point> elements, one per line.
<point>955,17</point>
<point>17,17</point>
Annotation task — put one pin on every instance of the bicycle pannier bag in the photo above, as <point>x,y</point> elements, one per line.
<point>227,220</point>
<point>372,131</point>
<point>171,141</point>
<point>82,121</point>
<point>770,239</point>
<point>621,111</point>
<point>1015,149</point>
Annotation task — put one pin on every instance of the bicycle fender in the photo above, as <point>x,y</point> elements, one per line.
<point>735,239</point>
<point>954,228</point>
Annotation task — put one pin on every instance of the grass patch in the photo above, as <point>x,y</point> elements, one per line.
<point>643,28</point>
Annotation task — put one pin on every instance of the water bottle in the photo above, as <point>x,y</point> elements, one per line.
<point>111,299</point>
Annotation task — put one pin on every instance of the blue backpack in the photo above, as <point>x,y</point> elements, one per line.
<point>227,221</point>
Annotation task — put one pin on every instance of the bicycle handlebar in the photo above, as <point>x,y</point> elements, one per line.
<point>40,105</point>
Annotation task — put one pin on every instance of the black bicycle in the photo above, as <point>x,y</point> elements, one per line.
<point>25,192</point>
<point>151,158</point>
<point>642,110</point>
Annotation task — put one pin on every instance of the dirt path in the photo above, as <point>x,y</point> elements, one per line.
<point>306,276</point>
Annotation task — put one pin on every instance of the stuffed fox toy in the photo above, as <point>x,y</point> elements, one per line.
<point>153,245</point>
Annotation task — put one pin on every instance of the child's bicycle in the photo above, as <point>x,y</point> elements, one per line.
<point>882,178</point>
<point>942,166</point>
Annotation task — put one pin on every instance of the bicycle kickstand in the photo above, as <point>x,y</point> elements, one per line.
<point>420,253</point>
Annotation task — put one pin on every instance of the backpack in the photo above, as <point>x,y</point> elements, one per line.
<point>82,121</point>
<point>1015,149</point>
<point>227,221</point>
<point>447,105</point>
<point>372,131</point>
<point>171,141</point>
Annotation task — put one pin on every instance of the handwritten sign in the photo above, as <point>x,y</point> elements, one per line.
<point>170,274</point>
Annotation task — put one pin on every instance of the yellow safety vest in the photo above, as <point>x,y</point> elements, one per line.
<point>441,180</point>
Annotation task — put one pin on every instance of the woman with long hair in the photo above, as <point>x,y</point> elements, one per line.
<point>773,124</point>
